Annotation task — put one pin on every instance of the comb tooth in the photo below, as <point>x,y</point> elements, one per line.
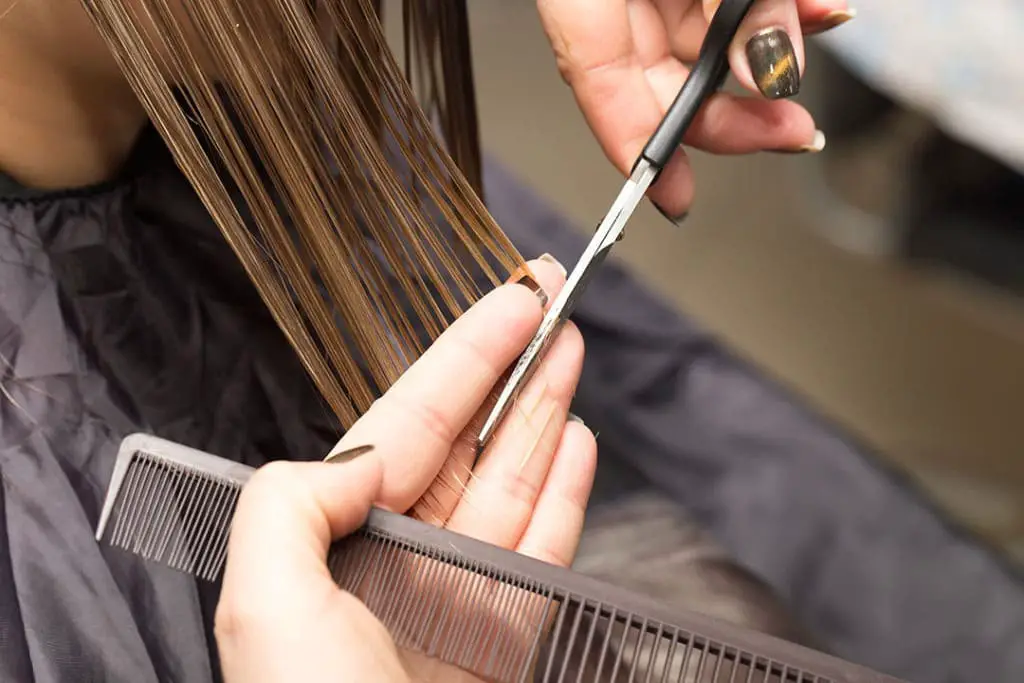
<point>735,667</point>
<point>217,533</point>
<point>369,554</point>
<point>170,518</point>
<point>719,656</point>
<point>169,514</point>
<point>197,506</point>
<point>468,585</point>
<point>505,638</point>
<point>450,616</point>
<point>375,580</point>
<point>753,668</point>
<point>414,584</point>
<point>619,653</point>
<point>200,524</point>
<point>641,636</point>
<point>189,497</point>
<point>540,619</point>
<point>489,622</point>
<point>346,560</point>
<point>515,662</point>
<point>208,549</point>
<point>563,607</point>
<point>421,577</point>
<point>605,645</point>
<point>670,658</point>
<point>201,537</point>
<point>393,586</point>
<point>207,509</point>
<point>595,619</point>
<point>136,492</point>
<point>415,581</point>
<point>567,647</point>
<point>136,522</point>
<point>151,512</point>
<point>222,553</point>
<point>125,508</point>
<point>652,658</point>
<point>702,663</point>
<point>691,647</point>
<point>474,591</point>
<point>164,514</point>
<point>444,600</point>
<point>490,645</point>
<point>484,639</point>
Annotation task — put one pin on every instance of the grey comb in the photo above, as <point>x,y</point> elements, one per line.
<point>494,613</point>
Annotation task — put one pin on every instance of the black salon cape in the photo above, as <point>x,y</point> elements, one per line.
<point>122,309</point>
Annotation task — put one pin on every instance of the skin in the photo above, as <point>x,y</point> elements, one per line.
<point>281,617</point>
<point>625,62</point>
<point>68,119</point>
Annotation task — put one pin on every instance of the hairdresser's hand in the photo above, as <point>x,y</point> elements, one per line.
<point>281,617</point>
<point>625,61</point>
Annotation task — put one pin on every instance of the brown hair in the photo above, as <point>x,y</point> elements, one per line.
<point>318,159</point>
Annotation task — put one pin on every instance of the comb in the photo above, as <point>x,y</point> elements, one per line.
<point>491,612</point>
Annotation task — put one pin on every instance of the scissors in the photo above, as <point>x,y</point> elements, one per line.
<point>705,79</point>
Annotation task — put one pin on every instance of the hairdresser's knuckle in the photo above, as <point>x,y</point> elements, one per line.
<point>273,480</point>
<point>522,492</point>
<point>479,356</point>
<point>427,419</point>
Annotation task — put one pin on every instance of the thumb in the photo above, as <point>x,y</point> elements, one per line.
<point>287,517</point>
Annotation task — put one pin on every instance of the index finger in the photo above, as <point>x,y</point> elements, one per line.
<point>597,56</point>
<point>414,425</point>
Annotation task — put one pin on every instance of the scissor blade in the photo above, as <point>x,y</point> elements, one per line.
<point>607,234</point>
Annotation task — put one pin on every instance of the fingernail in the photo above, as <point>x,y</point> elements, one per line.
<point>814,147</point>
<point>773,64</point>
<point>677,220</point>
<point>523,276</point>
<point>548,258</point>
<point>348,455</point>
<point>830,21</point>
<point>575,418</point>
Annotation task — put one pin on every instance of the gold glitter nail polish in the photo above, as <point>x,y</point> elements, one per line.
<point>773,64</point>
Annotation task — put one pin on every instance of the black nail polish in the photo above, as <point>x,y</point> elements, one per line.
<point>676,220</point>
<point>348,455</point>
<point>773,64</point>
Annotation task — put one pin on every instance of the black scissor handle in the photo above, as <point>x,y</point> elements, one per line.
<point>706,77</point>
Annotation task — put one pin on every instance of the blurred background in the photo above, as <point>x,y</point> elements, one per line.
<point>881,279</point>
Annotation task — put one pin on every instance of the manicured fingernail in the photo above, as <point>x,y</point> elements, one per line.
<point>773,64</point>
<point>830,21</point>
<point>523,276</point>
<point>548,258</point>
<point>575,418</point>
<point>815,146</point>
<point>348,455</point>
<point>674,220</point>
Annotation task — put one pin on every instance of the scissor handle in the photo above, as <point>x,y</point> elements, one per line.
<point>706,77</point>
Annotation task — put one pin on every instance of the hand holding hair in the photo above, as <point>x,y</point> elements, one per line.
<point>282,618</point>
